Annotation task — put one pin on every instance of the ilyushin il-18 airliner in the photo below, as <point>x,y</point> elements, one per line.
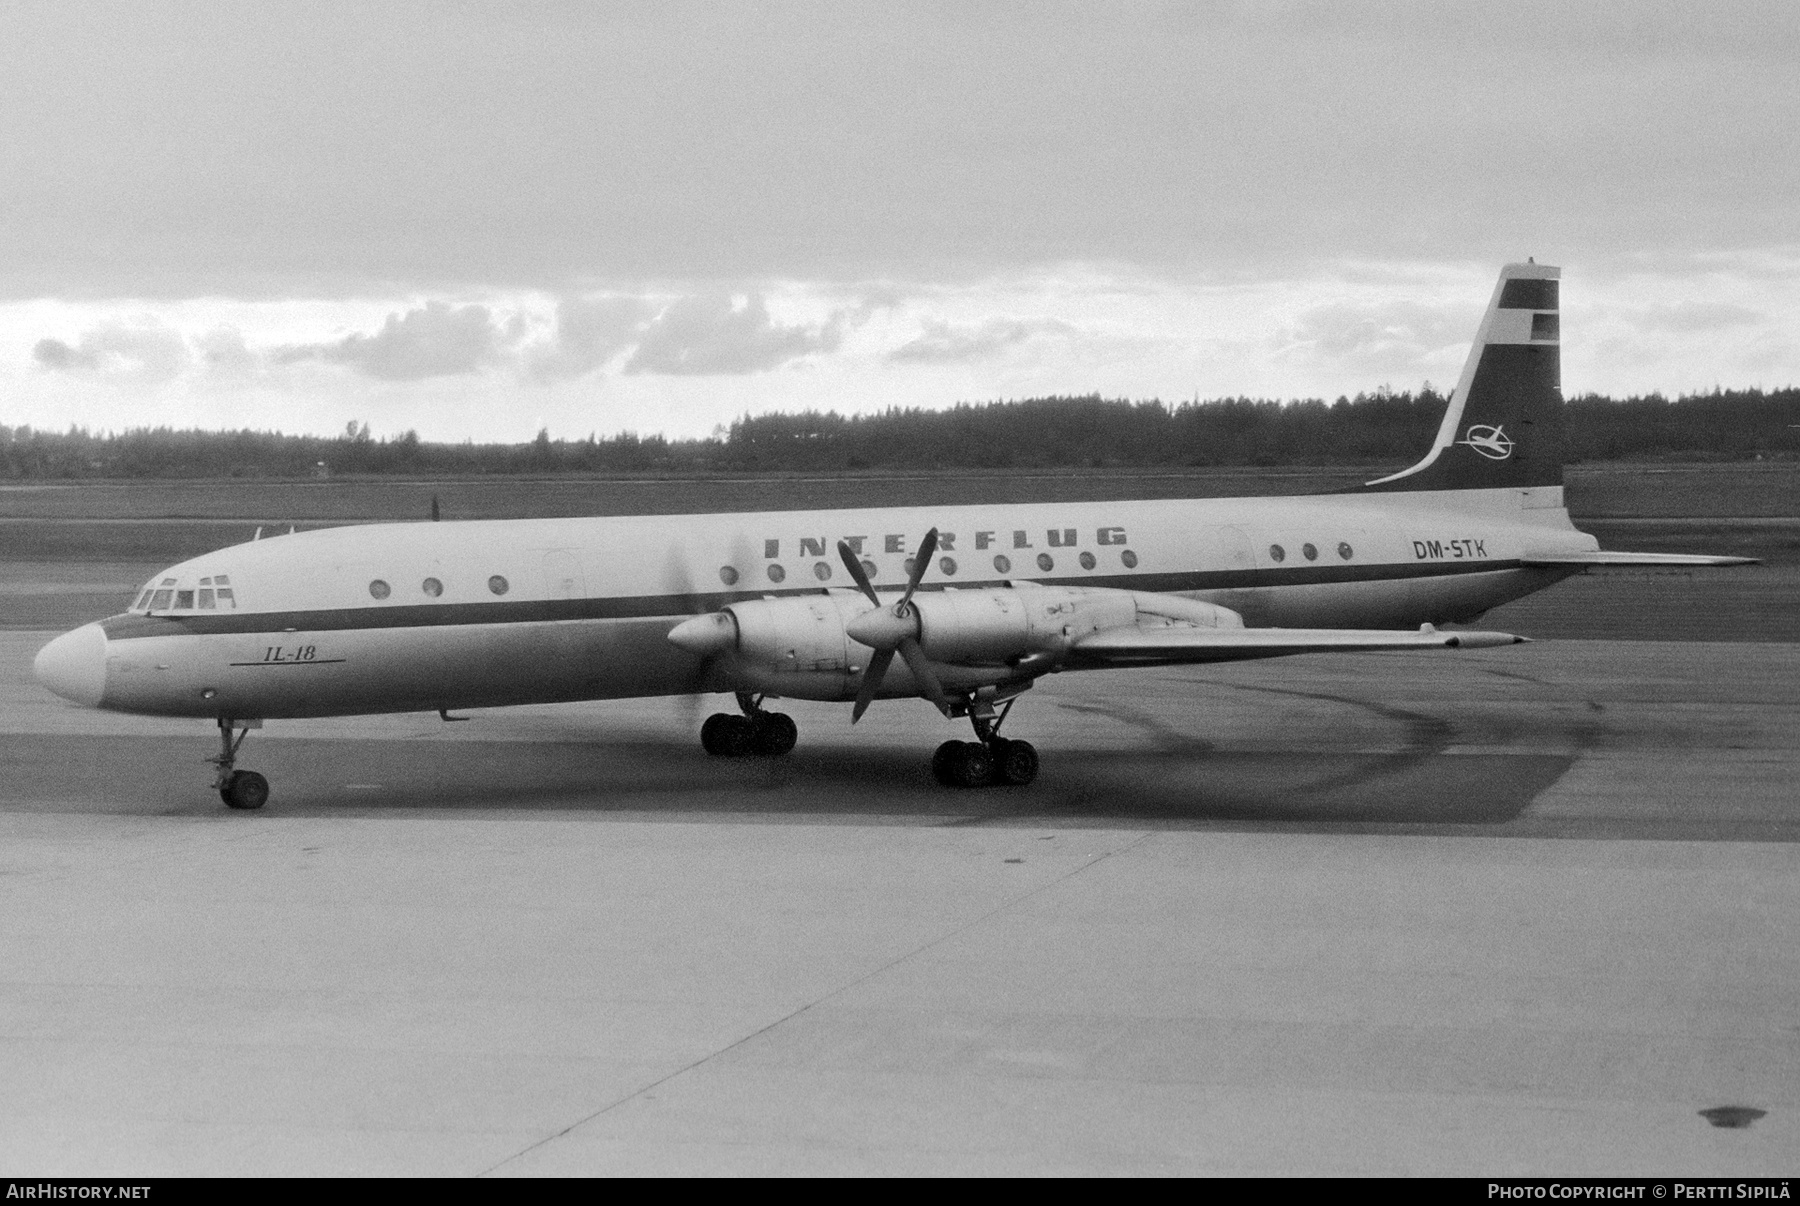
<point>964,606</point>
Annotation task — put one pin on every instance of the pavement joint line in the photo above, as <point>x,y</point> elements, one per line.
<point>841,989</point>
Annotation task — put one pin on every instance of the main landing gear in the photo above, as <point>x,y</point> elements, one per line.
<point>238,788</point>
<point>990,759</point>
<point>764,734</point>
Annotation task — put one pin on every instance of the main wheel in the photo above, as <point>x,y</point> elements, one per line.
<point>943,760</point>
<point>1015,762</point>
<point>736,735</point>
<point>725,735</point>
<point>773,734</point>
<point>245,789</point>
<point>972,766</point>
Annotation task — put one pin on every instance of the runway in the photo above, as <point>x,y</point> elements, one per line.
<point>1519,911</point>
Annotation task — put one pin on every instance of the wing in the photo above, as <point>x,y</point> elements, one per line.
<point>1601,557</point>
<point>1179,644</point>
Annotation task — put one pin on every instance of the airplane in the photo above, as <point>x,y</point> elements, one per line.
<point>964,606</point>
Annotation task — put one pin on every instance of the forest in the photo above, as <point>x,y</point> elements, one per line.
<point>1380,428</point>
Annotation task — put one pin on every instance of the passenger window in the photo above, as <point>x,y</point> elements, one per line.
<point>432,587</point>
<point>206,600</point>
<point>1002,563</point>
<point>1046,562</point>
<point>1087,561</point>
<point>161,598</point>
<point>380,589</point>
<point>184,600</point>
<point>776,573</point>
<point>947,564</point>
<point>498,585</point>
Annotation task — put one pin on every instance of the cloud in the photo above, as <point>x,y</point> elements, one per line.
<point>55,354</point>
<point>145,355</point>
<point>589,332</point>
<point>1694,316</point>
<point>705,335</point>
<point>225,353</point>
<point>434,340</point>
<point>944,344</point>
<point>1394,333</point>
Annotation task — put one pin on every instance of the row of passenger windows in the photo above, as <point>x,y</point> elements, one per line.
<point>433,588</point>
<point>1311,551</point>
<point>947,566</point>
<point>823,570</point>
<point>216,592</point>
<point>209,594</point>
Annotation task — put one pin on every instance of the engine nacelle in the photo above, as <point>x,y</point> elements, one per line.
<point>1003,624</point>
<point>800,632</point>
<point>997,624</point>
<point>798,646</point>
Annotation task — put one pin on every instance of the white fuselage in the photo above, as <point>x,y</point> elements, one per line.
<point>398,617</point>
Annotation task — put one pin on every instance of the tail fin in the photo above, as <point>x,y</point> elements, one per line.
<point>1504,425</point>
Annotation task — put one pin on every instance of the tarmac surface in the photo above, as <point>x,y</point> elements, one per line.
<point>1519,911</point>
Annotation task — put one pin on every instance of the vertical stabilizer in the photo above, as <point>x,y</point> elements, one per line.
<point>1504,424</point>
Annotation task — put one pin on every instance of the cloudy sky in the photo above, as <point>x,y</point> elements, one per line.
<point>476,220</point>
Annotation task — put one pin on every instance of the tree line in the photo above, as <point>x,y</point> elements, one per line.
<point>1384,427</point>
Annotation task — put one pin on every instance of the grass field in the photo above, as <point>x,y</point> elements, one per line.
<point>75,551</point>
<point>1767,489</point>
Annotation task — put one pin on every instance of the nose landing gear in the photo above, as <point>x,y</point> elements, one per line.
<point>239,789</point>
<point>764,734</point>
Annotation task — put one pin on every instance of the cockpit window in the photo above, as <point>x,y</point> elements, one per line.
<point>169,595</point>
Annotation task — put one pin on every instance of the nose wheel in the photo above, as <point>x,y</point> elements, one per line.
<point>245,789</point>
<point>756,732</point>
<point>240,789</point>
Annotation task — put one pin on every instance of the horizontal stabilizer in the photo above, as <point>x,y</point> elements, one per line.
<point>1607,557</point>
<point>1182,645</point>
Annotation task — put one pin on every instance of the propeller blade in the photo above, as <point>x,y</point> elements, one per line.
<point>923,674</point>
<point>921,563</point>
<point>853,563</point>
<point>873,673</point>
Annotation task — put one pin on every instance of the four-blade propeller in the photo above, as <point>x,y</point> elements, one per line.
<point>890,629</point>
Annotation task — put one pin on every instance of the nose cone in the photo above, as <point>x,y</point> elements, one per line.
<point>706,635</point>
<point>74,665</point>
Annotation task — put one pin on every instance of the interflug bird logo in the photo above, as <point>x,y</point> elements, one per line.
<point>1491,442</point>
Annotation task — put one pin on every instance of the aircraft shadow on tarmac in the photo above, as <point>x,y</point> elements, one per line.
<point>1163,788</point>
